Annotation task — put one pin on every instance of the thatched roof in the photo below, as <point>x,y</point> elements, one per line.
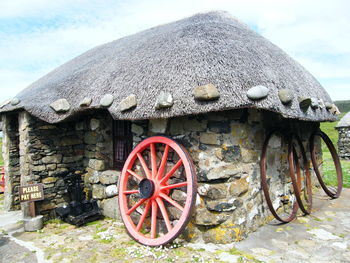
<point>175,58</point>
<point>344,122</point>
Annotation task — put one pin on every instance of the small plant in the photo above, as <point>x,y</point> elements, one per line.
<point>243,257</point>
<point>118,252</point>
<point>55,221</point>
<point>195,258</point>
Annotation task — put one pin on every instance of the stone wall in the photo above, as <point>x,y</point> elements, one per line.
<point>44,151</point>
<point>49,149</point>
<point>100,180</point>
<point>37,152</point>
<point>10,151</point>
<point>344,142</point>
<point>226,149</point>
<point>224,146</point>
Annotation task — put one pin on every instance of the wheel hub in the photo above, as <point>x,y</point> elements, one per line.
<point>146,188</point>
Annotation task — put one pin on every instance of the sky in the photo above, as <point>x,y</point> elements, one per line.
<point>37,36</point>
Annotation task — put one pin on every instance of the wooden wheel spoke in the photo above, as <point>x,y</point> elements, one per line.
<point>154,219</point>
<point>171,201</point>
<point>143,204</point>
<point>144,215</point>
<point>129,192</point>
<point>153,160</point>
<point>138,177</point>
<point>172,186</point>
<point>132,209</point>
<point>164,214</point>
<point>144,165</point>
<point>171,172</point>
<point>163,162</point>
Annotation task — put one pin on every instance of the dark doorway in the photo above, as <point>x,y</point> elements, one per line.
<point>122,142</point>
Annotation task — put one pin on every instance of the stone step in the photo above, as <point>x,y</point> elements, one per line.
<point>11,221</point>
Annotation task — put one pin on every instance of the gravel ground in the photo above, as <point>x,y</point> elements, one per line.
<point>11,252</point>
<point>324,236</point>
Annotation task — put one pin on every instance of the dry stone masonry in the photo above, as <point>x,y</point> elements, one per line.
<point>11,157</point>
<point>344,142</point>
<point>343,128</point>
<point>44,150</point>
<point>225,148</point>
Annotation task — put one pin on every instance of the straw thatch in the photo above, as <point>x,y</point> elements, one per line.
<point>175,58</point>
<point>344,122</point>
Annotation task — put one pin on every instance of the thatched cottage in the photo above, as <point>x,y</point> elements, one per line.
<point>207,83</point>
<point>343,128</point>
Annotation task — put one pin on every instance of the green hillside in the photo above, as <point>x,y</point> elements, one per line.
<point>343,105</point>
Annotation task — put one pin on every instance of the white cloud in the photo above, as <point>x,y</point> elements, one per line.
<point>50,8</point>
<point>18,8</point>
<point>325,70</point>
<point>313,32</point>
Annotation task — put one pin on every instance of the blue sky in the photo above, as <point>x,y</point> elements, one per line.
<point>36,36</point>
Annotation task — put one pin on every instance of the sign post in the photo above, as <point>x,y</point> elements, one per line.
<point>31,193</point>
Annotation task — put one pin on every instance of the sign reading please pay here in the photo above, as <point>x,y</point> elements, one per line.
<point>31,192</point>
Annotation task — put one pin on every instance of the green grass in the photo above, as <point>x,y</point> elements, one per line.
<point>329,129</point>
<point>329,174</point>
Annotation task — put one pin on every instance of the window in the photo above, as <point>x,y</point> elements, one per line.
<point>122,142</point>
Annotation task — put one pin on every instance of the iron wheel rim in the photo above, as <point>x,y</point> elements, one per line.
<point>264,184</point>
<point>336,162</point>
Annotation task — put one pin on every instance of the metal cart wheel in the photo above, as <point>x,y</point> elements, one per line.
<point>293,158</point>
<point>264,183</point>
<point>329,192</point>
<point>157,168</point>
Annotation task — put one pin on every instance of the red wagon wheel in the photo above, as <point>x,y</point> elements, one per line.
<point>329,192</point>
<point>157,191</point>
<point>264,183</point>
<point>293,158</point>
<point>2,180</point>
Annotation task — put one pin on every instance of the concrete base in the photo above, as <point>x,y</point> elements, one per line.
<point>32,224</point>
